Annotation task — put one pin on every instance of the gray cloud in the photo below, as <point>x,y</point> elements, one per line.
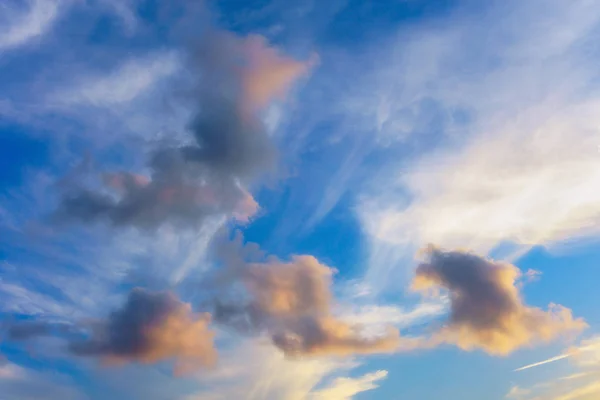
<point>152,327</point>
<point>29,329</point>
<point>291,301</point>
<point>487,310</point>
<point>231,79</point>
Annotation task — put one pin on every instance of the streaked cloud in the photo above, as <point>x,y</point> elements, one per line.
<point>246,371</point>
<point>502,154</point>
<point>346,388</point>
<point>128,81</point>
<point>537,364</point>
<point>230,144</point>
<point>23,23</point>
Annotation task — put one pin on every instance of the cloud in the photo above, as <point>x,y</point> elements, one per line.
<point>537,364</point>
<point>269,75</point>
<point>18,382</point>
<point>152,327</point>
<point>254,370</point>
<point>486,308</point>
<point>586,355</point>
<point>581,383</point>
<point>501,146</point>
<point>292,301</point>
<point>346,388</point>
<point>230,145</point>
<point>29,329</point>
<point>130,80</point>
<point>23,23</point>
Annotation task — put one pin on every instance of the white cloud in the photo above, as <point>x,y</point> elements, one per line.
<point>582,383</point>
<point>376,319</point>
<point>124,10</point>
<point>257,371</point>
<point>524,166</point>
<point>131,79</point>
<point>346,388</point>
<point>20,24</point>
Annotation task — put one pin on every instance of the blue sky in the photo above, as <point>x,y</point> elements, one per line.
<point>294,199</point>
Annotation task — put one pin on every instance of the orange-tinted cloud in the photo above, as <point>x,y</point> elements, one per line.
<point>153,327</point>
<point>268,75</point>
<point>295,288</point>
<point>487,311</point>
<point>245,208</point>
<point>327,335</point>
<point>293,302</point>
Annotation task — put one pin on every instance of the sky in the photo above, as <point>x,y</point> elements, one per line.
<point>299,199</point>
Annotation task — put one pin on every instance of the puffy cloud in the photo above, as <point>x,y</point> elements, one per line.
<point>346,388</point>
<point>293,302</point>
<point>152,327</point>
<point>229,80</point>
<point>486,308</point>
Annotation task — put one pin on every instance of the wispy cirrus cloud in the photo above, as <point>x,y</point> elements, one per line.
<point>28,21</point>
<point>581,383</point>
<point>469,130</point>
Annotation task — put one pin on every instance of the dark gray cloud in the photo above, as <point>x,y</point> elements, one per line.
<point>231,80</point>
<point>486,307</point>
<point>29,329</point>
<point>152,327</point>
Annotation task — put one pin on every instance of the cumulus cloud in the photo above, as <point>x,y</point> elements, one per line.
<point>486,308</point>
<point>152,327</point>
<point>292,301</point>
<point>231,80</point>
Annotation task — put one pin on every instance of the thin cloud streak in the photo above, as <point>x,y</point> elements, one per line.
<point>537,364</point>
